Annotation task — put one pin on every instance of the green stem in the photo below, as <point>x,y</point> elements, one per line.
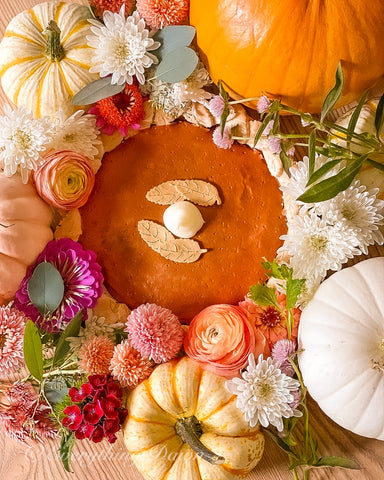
<point>59,371</point>
<point>295,476</point>
<point>54,49</point>
<point>243,100</point>
<point>377,165</point>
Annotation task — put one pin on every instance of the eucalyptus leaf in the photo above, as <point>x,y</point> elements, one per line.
<point>66,446</point>
<point>320,172</point>
<point>330,187</point>
<point>173,37</point>
<point>263,295</point>
<point>46,288</point>
<point>177,65</point>
<point>33,351</point>
<point>336,462</point>
<point>97,90</point>
<point>312,151</point>
<point>55,390</point>
<point>355,116</point>
<point>379,117</point>
<point>334,95</point>
<point>72,330</point>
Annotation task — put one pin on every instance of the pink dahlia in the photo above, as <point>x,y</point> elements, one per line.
<point>128,367</point>
<point>160,13</point>
<point>23,415</point>
<point>95,355</point>
<point>82,283</point>
<point>12,324</point>
<point>155,332</point>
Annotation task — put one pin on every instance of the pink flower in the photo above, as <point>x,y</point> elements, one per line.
<point>222,141</point>
<point>82,279</point>
<point>84,431</point>
<point>110,406</point>
<point>155,332</point>
<point>160,13</point>
<point>128,367</point>
<point>111,5</point>
<point>97,434</point>
<point>281,351</point>
<point>12,324</point>
<point>274,144</point>
<point>263,104</point>
<point>78,396</point>
<point>95,355</point>
<point>73,417</point>
<point>268,128</point>
<point>291,151</point>
<point>216,106</point>
<point>92,412</point>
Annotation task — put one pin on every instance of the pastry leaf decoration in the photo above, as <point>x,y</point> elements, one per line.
<point>177,250</point>
<point>196,191</point>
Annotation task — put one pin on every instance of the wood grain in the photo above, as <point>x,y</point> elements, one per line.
<point>103,461</point>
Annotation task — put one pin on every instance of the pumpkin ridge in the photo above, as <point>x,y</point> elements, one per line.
<point>75,29</point>
<point>25,78</point>
<point>58,11</point>
<point>40,89</point>
<point>217,409</point>
<point>368,285</point>
<point>18,62</point>
<point>173,462</point>
<point>64,79</point>
<point>157,443</point>
<point>77,63</point>
<point>178,403</point>
<point>35,18</point>
<point>150,395</point>
<point>198,391</point>
<point>11,34</point>
<point>142,420</point>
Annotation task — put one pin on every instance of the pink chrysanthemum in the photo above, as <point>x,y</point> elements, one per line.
<point>82,280</point>
<point>128,367</point>
<point>155,332</point>
<point>263,104</point>
<point>281,351</point>
<point>23,415</point>
<point>95,355</point>
<point>160,13</point>
<point>12,324</point>
<point>216,106</point>
<point>111,5</point>
<point>222,141</point>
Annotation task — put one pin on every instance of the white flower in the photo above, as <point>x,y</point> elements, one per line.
<point>22,140</point>
<point>359,211</point>
<point>95,326</point>
<point>77,133</point>
<point>264,393</point>
<point>315,246</point>
<point>121,47</point>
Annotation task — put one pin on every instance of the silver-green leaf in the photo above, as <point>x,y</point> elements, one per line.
<point>46,288</point>
<point>177,65</point>
<point>173,37</point>
<point>33,351</point>
<point>95,91</point>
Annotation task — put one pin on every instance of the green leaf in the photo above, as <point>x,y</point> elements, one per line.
<point>330,187</point>
<point>33,351</point>
<point>334,95</point>
<point>355,116</point>
<point>280,442</point>
<point>263,295</point>
<point>293,290</point>
<point>72,330</point>
<point>286,160</point>
<point>320,172</point>
<point>336,462</point>
<point>379,117</point>
<point>173,37</point>
<point>66,446</point>
<point>55,390</point>
<point>97,90</point>
<point>262,127</point>
<point>312,151</point>
<point>46,288</point>
<point>177,65</point>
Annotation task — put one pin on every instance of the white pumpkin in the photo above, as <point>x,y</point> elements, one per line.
<point>41,80</point>
<point>342,336</point>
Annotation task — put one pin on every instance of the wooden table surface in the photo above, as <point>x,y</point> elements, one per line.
<point>103,461</point>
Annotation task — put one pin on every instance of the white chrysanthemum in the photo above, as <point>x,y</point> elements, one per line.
<point>176,98</point>
<point>264,393</point>
<point>95,327</point>
<point>22,140</point>
<point>315,246</point>
<point>122,47</point>
<point>77,133</point>
<point>359,211</point>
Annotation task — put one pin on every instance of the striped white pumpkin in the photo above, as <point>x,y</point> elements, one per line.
<point>32,79</point>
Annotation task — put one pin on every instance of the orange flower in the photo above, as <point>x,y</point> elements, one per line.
<point>65,179</point>
<point>270,321</point>
<point>221,338</point>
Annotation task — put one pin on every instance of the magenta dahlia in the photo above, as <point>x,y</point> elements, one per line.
<point>82,283</point>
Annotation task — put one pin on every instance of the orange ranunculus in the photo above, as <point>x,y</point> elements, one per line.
<point>269,321</point>
<point>65,179</point>
<point>221,338</point>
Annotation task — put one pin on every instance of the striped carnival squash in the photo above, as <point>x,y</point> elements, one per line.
<point>43,64</point>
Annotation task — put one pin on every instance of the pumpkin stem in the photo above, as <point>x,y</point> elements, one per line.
<point>189,430</point>
<point>54,49</point>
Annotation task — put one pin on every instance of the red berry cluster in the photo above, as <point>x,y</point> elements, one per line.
<point>97,410</point>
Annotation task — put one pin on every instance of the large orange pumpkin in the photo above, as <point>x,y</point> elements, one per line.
<point>24,232</point>
<point>290,49</point>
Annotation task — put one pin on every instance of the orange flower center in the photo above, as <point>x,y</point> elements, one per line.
<point>271,317</point>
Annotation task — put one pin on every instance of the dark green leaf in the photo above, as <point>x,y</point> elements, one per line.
<point>286,161</point>
<point>71,330</point>
<point>355,116</point>
<point>276,124</point>
<point>177,65</point>
<point>66,446</point>
<point>334,95</point>
<point>320,172</point>
<point>293,289</point>
<point>312,151</point>
<point>273,269</point>
<point>97,90</point>
<point>330,187</point>
<point>173,37</point>
<point>379,117</point>
<point>46,288</point>
<point>33,351</point>
<point>280,442</point>
<point>262,127</point>
<point>55,390</point>
<point>337,462</point>
<point>263,295</point>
